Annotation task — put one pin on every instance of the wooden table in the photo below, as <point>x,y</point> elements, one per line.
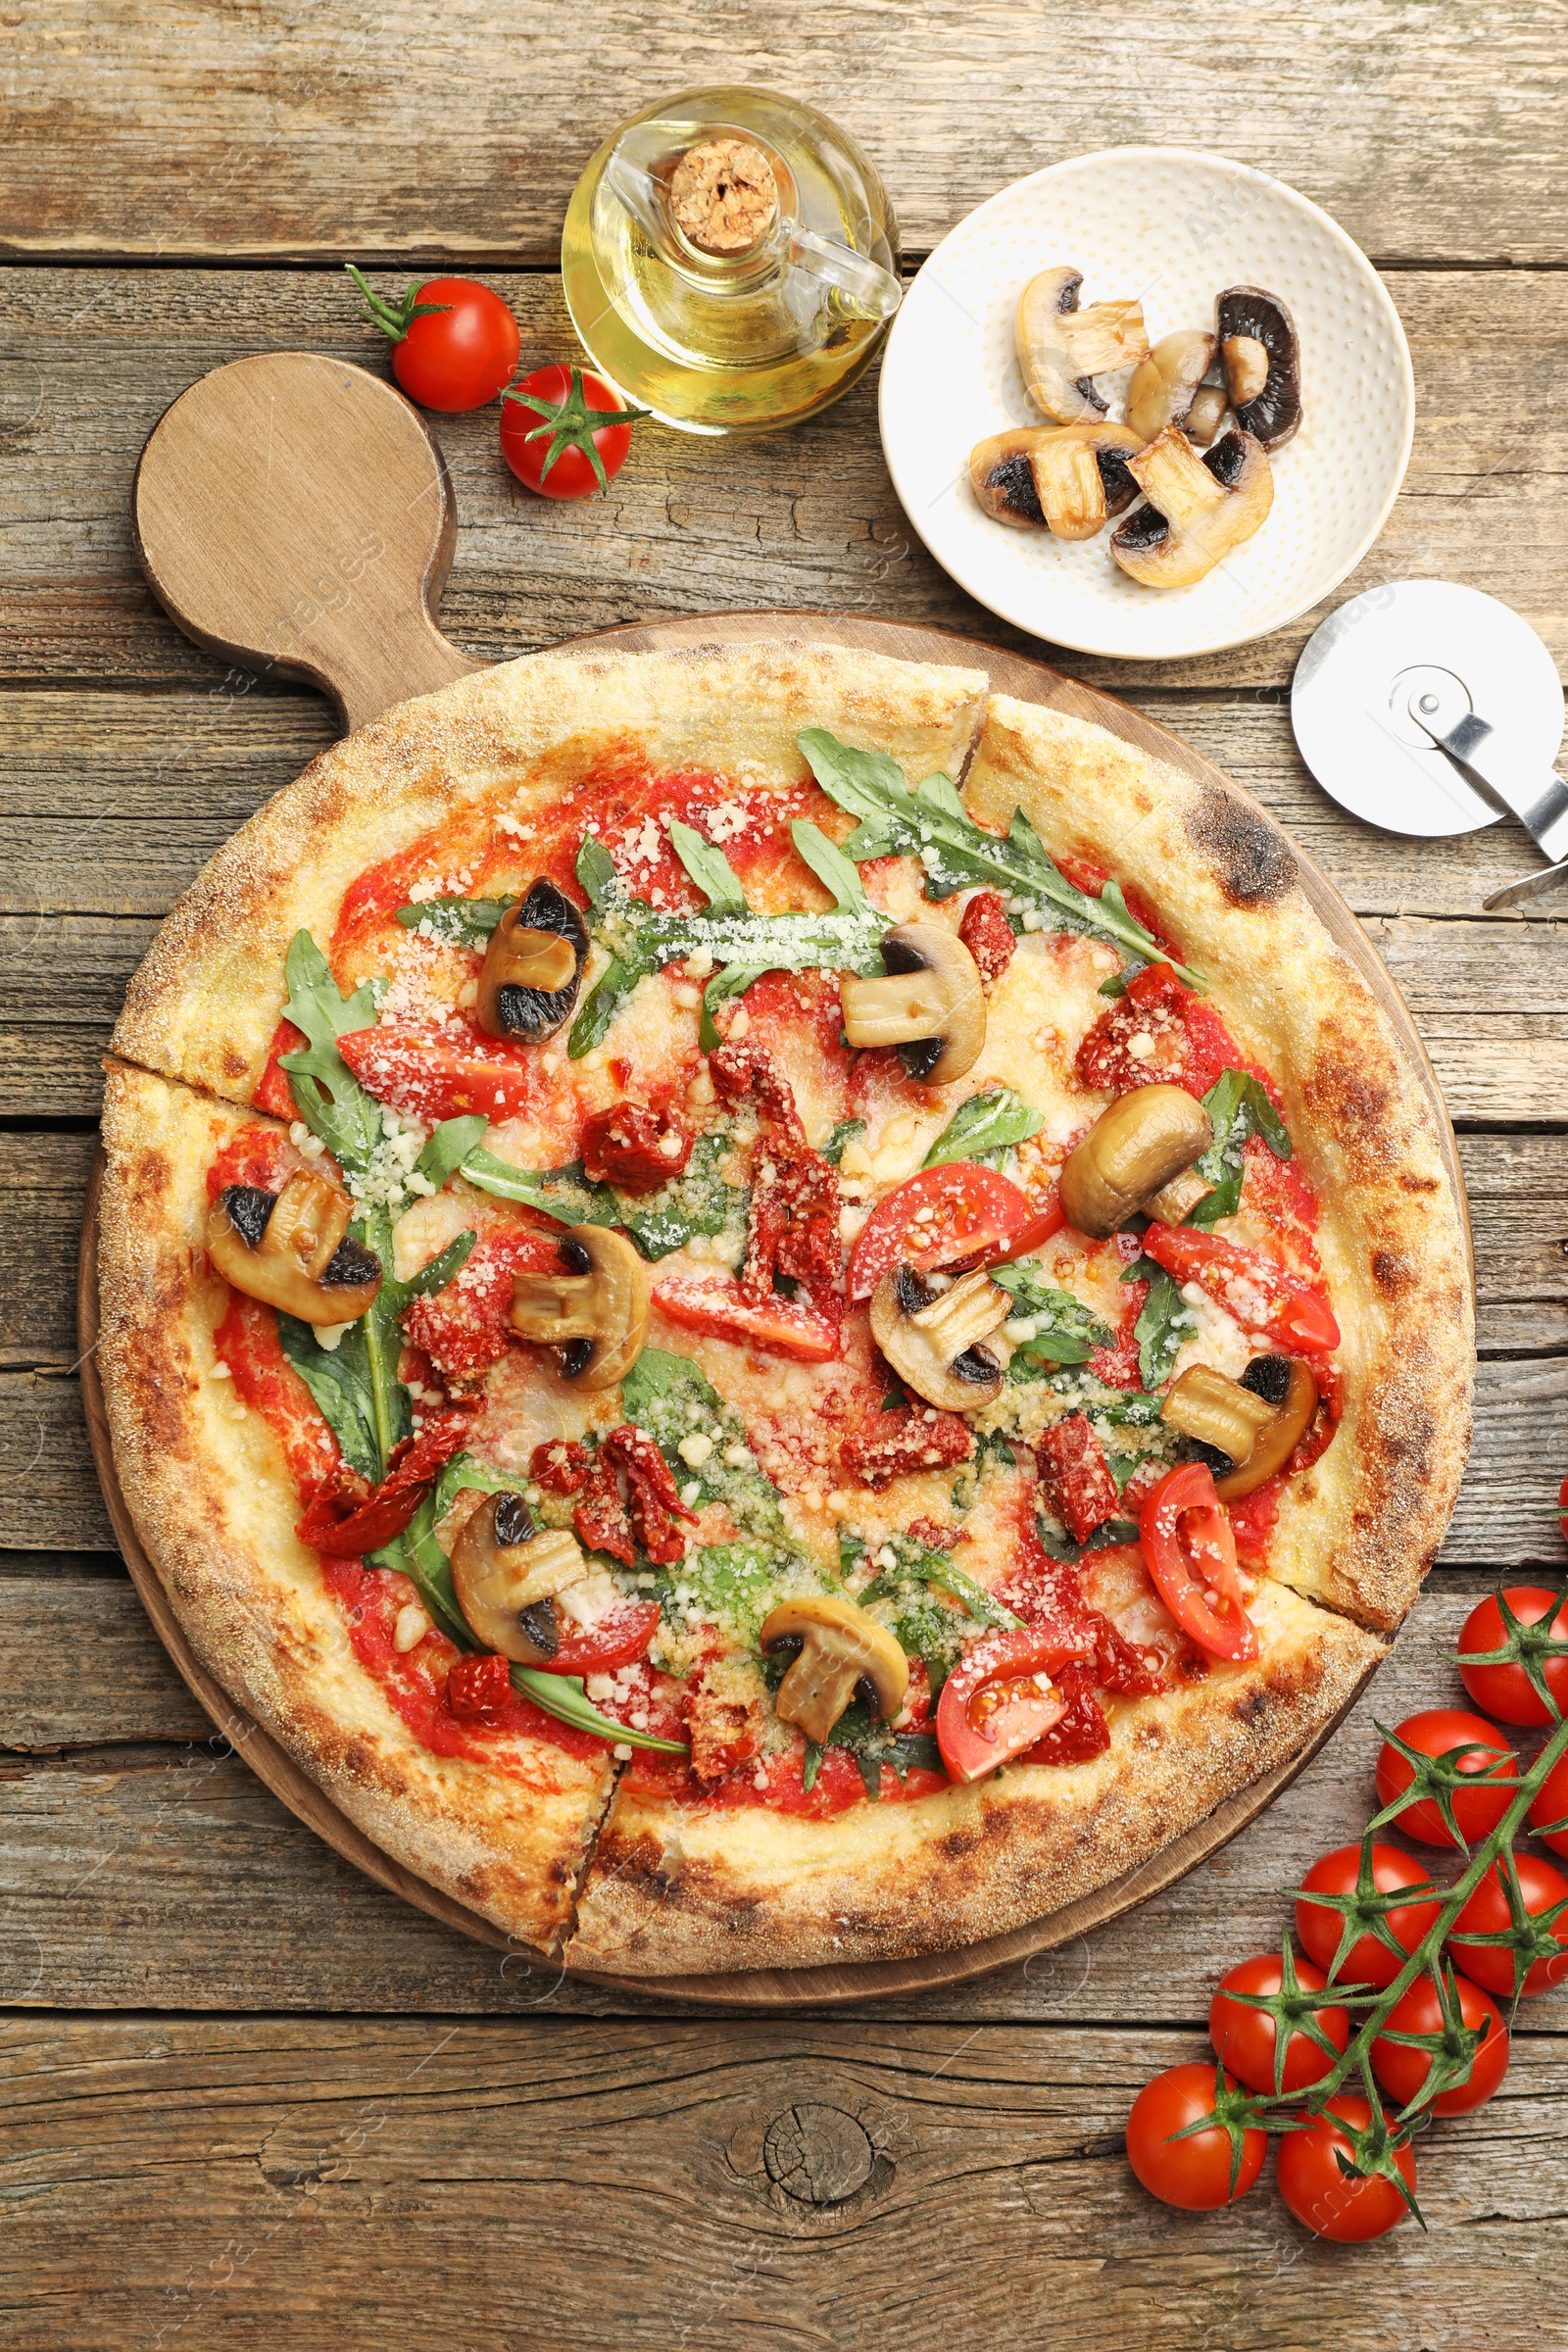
<point>253,2099</point>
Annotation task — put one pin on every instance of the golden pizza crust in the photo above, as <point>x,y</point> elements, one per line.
<point>215,1505</point>
<point>674,1887</point>
<point>205,1003</point>
<point>1362,1527</point>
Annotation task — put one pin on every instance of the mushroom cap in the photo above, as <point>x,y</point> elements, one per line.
<point>956,1382</point>
<point>1163,386</point>
<point>842,1649</point>
<point>597,1312</point>
<point>501,1586</point>
<point>1002,478</point>
<point>1250,314</point>
<point>520,994</point>
<point>958,1044</point>
<point>1132,1150</point>
<point>292,1249</point>
<point>1197,508</point>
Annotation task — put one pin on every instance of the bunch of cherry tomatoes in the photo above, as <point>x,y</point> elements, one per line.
<point>1220,2159</point>
<point>455,345</point>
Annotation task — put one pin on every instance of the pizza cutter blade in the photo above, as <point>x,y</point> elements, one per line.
<point>1429,709</point>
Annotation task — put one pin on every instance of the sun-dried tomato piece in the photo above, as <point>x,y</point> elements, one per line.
<point>630,1500</point>
<point>1078,1486</point>
<point>746,1073</point>
<point>792,1222</point>
<point>732,1310</point>
<point>350,1519</point>
<point>1120,1666</point>
<point>478,1687</point>
<point>987,933</point>
<point>463,1329</point>
<point>886,1445</point>
<point>1158,1034</point>
<point>1083,1730</point>
<point>561,1466</point>
<point>634,1149</point>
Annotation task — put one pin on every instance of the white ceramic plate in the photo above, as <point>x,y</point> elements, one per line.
<point>1175,227</point>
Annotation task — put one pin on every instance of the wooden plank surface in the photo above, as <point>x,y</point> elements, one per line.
<point>138,126</point>
<point>807,518</point>
<point>582,2183</point>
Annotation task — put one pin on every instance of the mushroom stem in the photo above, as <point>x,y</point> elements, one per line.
<point>931,1004</point>
<point>894,1011</point>
<point>549,1308</point>
<point>956,1318</point>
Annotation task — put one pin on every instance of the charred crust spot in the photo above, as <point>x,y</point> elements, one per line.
<point>1250,857</point>
<point>1393,1272</point>
<point>234,1063</point>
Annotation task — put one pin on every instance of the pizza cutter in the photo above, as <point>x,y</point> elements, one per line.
<point>1430,708</point>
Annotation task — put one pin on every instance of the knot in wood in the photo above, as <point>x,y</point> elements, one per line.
<point>819,2155</point>
<point>724,196</point>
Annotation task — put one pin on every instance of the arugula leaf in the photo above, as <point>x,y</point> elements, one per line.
<point>698,1202</point>
<point>1165,1322</point>
<point>448,1148</point>
<point>454,922</point>
<point>431,1276</point>
<point>1066,1332</point>
<point>708,867</point>
<point>1238,1105</point>
<point>565,1697</point>
<point>328,1096</point>
<point>983,1128</point>
<point>843,1133</point>
<point>735,1583</point>
<point>1062,1548</point>
<point>811,1766</point>
<point>827,861</point>
<point>918,1564</point>
<point>596,869</point>
<point>932,824</point>
<point>563,1194</point>
<point>669,1397</point>
<point>339,1380</point>
<point>422,1559</point>
<point>466,1470</point>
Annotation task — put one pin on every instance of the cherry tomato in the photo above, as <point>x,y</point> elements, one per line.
<point>723,1309</point>
<point>1476,1810</point>
<point>1368,1961</point>
<point>1349,2211</point>
<point>1034,1236</point>
<point>1261,1295</point>
<point>1487,1913</point>
<point>1507,1691</point>
<point>621,1635</point>
<point>999,1699</point>
<point>1190,1552</point>
<point>437,1075</point>
<point>1402,2070</point>
<point>943,1213</point>
<point>454,342</point>
<point>548,434</point>
<point>1194,2174</point>
<point>1246,2038</point>
<point>1551,1806</point>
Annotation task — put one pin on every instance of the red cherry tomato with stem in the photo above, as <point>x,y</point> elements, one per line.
<point>1245,2040</point>
<point>550,438</point>
<point>454,342</point>
<point>1347,2210</point>
<point>1194,2172</point>
<point>1488,1912</point>
<point>1490,1763</point>
<point>1403,2071</point>
<point>1368,1961</point>
<point>957,1210</point>
<point>1505,1690</point>
<point>1548,1815</point>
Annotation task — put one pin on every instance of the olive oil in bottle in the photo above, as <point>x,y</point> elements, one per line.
<point>731,261</point>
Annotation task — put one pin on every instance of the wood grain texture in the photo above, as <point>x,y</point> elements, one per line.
<point>132,1858</point>
<point>1427,134</point>
<point>803,517</point>
<point>234,2183</point>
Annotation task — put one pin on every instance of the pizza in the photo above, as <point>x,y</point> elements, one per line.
<point>774,1310</point>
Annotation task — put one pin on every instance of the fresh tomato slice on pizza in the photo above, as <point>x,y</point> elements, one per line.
<point>725,1310</point>
<point>1001,1698</point>
<point>1261,1295</point>
<point>958,1210</point>
<point>1190,1552</point>
<point>437,1075</point>
<point>618,1638</point>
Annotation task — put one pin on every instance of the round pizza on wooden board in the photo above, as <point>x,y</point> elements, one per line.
<point>514,1137</point>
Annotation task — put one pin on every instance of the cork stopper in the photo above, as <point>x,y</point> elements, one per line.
<point>724,196</point>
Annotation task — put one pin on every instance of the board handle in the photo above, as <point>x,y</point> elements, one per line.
<point>294,516</point>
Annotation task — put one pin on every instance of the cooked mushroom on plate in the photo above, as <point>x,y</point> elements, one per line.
<point>1062,349</point>
<point>932,1336</point>
<point>1262,364</point>
<point>594,1312</point>
<point>505,1573</point>
<point>931,1004</point>
<point>533,966</point>
<point>840,1649</point>
<point>1065,478</point>
<point>292,1249</point>
<point>1164,386</point>
<point>1196,511</point>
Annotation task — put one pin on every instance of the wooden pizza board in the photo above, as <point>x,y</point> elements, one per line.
<point>294,514</point>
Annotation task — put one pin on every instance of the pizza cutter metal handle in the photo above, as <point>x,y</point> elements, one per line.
<point>1538,802</point>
